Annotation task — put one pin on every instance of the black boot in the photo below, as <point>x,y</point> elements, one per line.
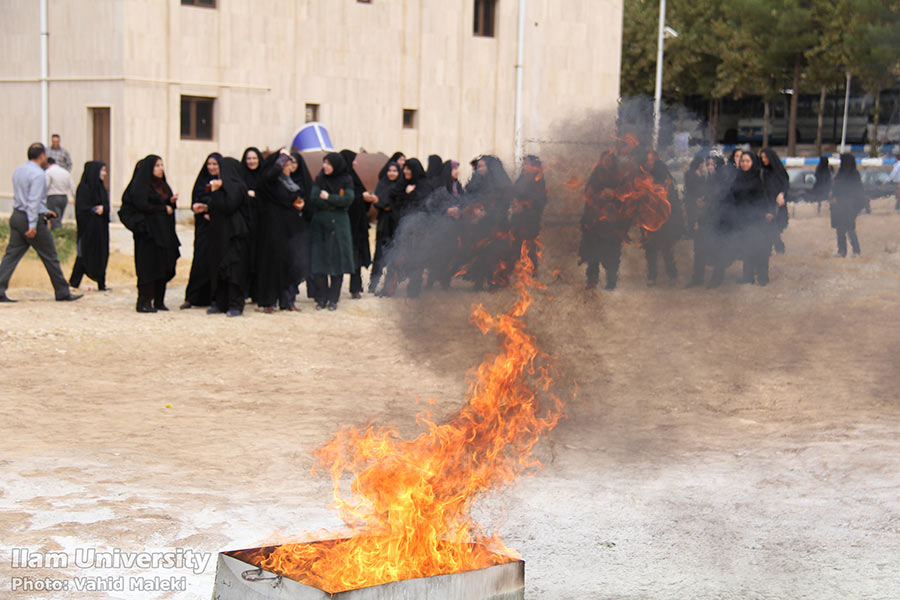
<point>145,298</point>
<point>159,295</point>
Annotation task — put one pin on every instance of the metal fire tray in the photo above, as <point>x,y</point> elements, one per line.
<point>239,580</point>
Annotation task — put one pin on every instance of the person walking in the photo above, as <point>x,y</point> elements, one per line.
<point>92,217</point>
<point>59,186</point>
<point>822,187</point>
<point>847,201</point>
<point>59,154</point>
<point>28,225</point>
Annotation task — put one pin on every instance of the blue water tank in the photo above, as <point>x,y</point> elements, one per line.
<point>312,136</point>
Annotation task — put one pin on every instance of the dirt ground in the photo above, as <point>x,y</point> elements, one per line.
<point>731,443</point>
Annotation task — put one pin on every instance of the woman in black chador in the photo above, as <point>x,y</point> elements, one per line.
<point>822,187</point>
<point>389,186</point>
<point>703,190</point>
<point>439,238</point>
<point>331,243</point>
<point>603,228</point>
<point>663,240</point>
<point>847,200</point>
<point>228,239</point>
<point>199,287</point>
<point>745,222</point>
<point>92,217</point>
<point>359,226</point>
<point>148,210</point>
<point>280,200</point>
<point>529,199</point>
<point>489,193</point>
<point>405,260</point>
<point>251,161</point>
<point>299,241</point>
<point>777,184</point>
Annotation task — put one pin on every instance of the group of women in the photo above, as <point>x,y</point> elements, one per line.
<point>264,225</point>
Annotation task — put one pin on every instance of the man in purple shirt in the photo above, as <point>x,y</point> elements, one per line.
<point>28,225</point>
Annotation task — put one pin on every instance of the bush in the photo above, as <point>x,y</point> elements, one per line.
<point>65,238</point>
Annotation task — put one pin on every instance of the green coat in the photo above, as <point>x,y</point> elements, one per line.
<point>330,242</point>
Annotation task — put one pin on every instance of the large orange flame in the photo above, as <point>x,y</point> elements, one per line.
<point>409,502</point>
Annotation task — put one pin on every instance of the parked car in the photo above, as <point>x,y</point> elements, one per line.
<point>876,184</point>
<point>802,182</point>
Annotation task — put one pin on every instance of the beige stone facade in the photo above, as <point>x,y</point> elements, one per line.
<point>363,63</point>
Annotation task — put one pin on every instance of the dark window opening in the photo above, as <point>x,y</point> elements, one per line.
<point>203,3</point>
<point>196,118</point>
<point>484,17</point>
<point>312,113</point>
<point>409,118</point>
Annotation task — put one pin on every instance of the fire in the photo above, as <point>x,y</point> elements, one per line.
<point>409,502</point>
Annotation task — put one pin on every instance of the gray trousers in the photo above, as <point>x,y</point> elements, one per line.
<point>44,246</point>
<point>57,203</point>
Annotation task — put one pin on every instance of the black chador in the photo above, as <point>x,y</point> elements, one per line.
<point>199,287</point>
<point>441,244</point>
<point>662,241</point>
<point>389,186</point>
<point>148,210</point>
<point>602,228</point>
<point>776,182</point>
<point>251,161</point>
<point>409,208</point>
<point>359,227</point>
<point>92,217</point>
<point>280,228</point>
<point>228,239</point>
<point>529,200</point>
<point>703,192</point>
<point>847,200</point>
<point>488,197</point>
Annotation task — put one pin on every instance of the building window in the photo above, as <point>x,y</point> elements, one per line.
<point>312,113</point>
<point>409,118</point>
<point>196,118</point>
<point>484,17</point>
<point>364,1</point>
<point>204,3</point>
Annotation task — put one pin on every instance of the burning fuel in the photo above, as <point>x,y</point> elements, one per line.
<point>408,503</point>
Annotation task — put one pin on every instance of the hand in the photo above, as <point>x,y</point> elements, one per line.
<point>199,207</point>
<point>215,184</point>
<point>206,216</point>
<point>251,193</point>
<point>410,188</point>
<point>780,199</point>
<point>299,203</point>
<point>31,232</point>
<point>453,211</point>
<point>323,195</point>
<point>51,215</point>
<point>173,198</point>
<point>769,217</point>
<point>98,210</point>
<point>169,209</point>
<point>369,197</point>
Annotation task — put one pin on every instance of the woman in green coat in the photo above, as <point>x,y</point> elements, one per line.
<point>331,245</point>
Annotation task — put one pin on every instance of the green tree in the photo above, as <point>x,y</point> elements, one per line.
<point>827,59</point>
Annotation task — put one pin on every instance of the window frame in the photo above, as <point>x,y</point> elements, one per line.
<point>412,113</point>
<point>212,3</point>
<point>483,9</point>
<point>193,102</point>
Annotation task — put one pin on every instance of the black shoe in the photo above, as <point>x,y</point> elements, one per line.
<point>356,295</point>
<point>145,308</point>
<point>332,306</point>
<point>70,298</point>
<point>161,307</point>
<point>234,313</point>
<point>186,305</point>
<point>6,299</point>
<point>107,289</point>
<point>213,310</point>
<point>320,306</point>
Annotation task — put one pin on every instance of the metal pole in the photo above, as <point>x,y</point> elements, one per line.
<point>45,73</point>
<point>657,99</point>
<point>846,113</point>
<point>519,150</point>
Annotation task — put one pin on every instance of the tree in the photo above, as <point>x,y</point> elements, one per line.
<point>827,59</point>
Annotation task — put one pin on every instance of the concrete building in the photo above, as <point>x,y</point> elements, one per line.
<point>126,78</point>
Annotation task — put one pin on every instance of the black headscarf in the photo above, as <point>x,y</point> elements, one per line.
<point>302,176</point>
<point>848,167</point>
<point>231,174</point>
<point>747,184</point>
<point>446,181</point>
<point>349,156</point>
<point>143,181</point>
<point>339,179</point>
<point>392,159</point>
<point>160,226</point>
<point>435,164</point>
<point>91,192</point>
<point>204,177</point>
<point>416,170</point>
<point>251,176</point>
<point>823,169</point>
<point>774,173</point>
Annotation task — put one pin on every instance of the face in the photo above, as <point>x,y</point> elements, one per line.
<point>288,167</point>
<point>212,166</point>
<point>103,173</point>
<point>764,158</point>
<point>252,160</point>
<point>710,165</point>
<point>393,173</point>
<point>326,166</point>
<point>482,168</point>
<point>159,170</point>
<point>401,160</point>
<point>355,162</point>
<point>54,142</point>
<point>746,162</point>
<point>737,157</point>
<point>454,172</point>
<point>407,173</point>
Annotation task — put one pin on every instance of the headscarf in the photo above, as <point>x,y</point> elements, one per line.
<point>747,182</point>
<point>435,164</point>
<point>251,176</point>
<point>339,179</point>
<point>848,167</point>
<point>143,181</point>
<point>349,156</point>
<point>823,169</point>
<point>775,171</point>
<point>446,181</point>
<point>392,159</point>
<point>91,192</point>
<point>386,186</point>
<point>231,174</point>
<point>204,176</point>
<point>302,176</point>
<point>416,170</point>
